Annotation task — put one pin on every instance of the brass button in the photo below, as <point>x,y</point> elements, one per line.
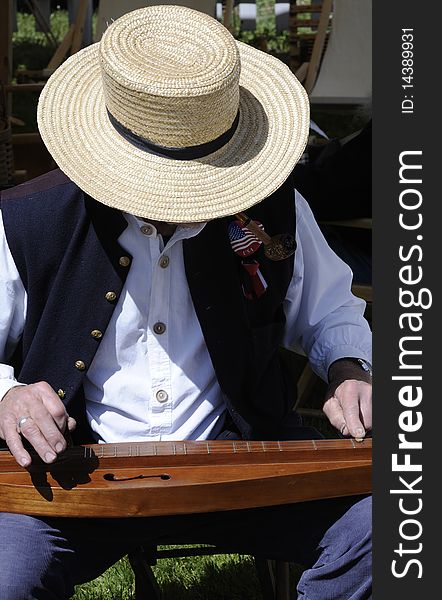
<point>161,396</point>
<point>61,393</point>
<point>164,262</point>
<point>111,296</point>
<point>79,364</point>
<point>96,333</point>
<point>124,261</point>
<point>146,229</point>
<point>159,328</point>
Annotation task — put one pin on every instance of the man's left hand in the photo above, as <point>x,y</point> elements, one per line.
<point>348,399</point>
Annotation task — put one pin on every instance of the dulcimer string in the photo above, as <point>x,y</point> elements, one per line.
<point>165,448</point>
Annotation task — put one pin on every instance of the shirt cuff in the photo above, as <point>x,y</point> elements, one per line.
<point>6,385</point>
<point>344,351</point>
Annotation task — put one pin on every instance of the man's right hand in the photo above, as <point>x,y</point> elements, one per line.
<point>46,420</point>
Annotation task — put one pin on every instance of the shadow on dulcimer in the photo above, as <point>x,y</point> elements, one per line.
<point>165,478</point>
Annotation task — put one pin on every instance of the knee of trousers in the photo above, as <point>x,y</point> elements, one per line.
<point>34,560</point>
<point>352,533</point>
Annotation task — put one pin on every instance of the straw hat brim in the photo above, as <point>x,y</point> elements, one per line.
<point>269,140</point>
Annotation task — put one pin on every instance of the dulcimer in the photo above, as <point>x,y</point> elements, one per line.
<point>169,478</point>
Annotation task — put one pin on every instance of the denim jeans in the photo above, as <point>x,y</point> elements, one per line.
<point>45,558</point>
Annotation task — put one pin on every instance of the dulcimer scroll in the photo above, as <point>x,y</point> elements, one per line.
<point>169,478</point>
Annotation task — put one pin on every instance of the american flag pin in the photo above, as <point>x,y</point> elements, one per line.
<point>243,241</point>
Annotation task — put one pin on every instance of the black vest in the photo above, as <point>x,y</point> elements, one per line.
<point>65,247</point>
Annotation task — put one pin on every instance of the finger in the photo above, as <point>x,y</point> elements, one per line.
<point>352,418</point>
<point>334,413</point>
<point>51,417</point>
<point>53,404</point>
<point>72,423</point>
<point>15,445</point>
<point>349,396</point>
<point>31,431</point>
<point>46,426</point>
<point>366,408</point>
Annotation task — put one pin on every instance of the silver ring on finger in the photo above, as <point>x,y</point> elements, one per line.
<point>22,421</point>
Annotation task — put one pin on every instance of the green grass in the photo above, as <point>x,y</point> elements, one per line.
<point>221,577</point>
<point>117,583</point>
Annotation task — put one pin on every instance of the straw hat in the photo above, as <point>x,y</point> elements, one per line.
<point>169,118</point>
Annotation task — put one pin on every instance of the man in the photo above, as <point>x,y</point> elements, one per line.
<point>136,304</point>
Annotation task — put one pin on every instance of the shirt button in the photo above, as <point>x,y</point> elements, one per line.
<point>111,296</point>
<point>164,262</point>
<point>124,261</point>
<point>161,396</point>
<point>159,328</point>
<point>97,334</point>
<point>146,229</point>
<point>79,364</point>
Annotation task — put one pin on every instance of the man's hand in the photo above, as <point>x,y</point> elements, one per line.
<point>37,413</point>
<point>348,399</point>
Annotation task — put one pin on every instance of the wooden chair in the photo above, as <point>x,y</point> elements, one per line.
<point>70,44</point>
<point>273,575</point>
<point>307,48</point>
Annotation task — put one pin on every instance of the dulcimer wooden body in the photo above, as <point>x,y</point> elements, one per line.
<point>169,478</point>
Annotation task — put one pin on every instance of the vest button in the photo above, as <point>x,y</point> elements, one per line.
<point>61,393</point>
<point>124,261</point>
<point>79,364</point>
<point>96,333</point>
<point>161,396</point>
<point>164,262</point>
<point>111,296</point>
<point>159,328</point>
<point>146,229</point>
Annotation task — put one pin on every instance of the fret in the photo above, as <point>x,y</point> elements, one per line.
<point>215,447</point>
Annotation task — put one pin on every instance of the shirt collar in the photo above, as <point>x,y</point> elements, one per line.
<point>183,231</point>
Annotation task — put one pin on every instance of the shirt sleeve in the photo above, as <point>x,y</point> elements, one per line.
<point>324,319</point>
<point>13,301</point>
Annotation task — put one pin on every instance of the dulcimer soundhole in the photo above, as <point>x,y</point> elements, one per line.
<point>113,477</point>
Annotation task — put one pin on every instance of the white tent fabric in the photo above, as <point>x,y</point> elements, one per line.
<point>345,76</point>
<point>109,10</point>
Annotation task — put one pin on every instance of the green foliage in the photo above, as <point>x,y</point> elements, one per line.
<point>220,577</point>
<point>117,583</point>
<point>31,49</point>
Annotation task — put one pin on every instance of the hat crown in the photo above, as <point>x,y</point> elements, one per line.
<point>167,71</point>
